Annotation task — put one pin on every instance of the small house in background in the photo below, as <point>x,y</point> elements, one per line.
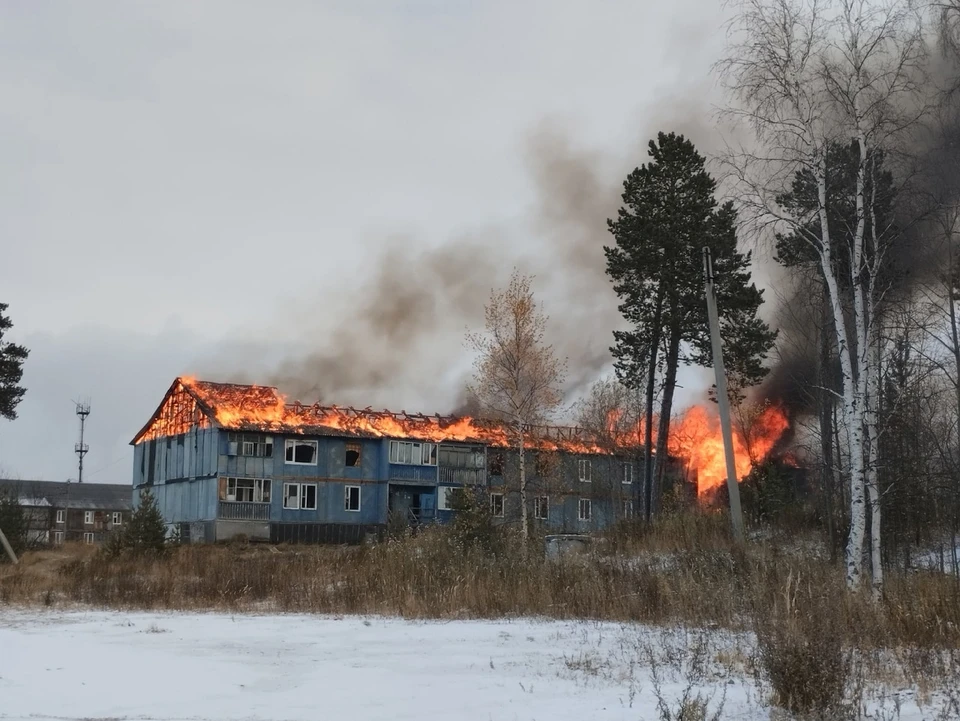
<point>226,460</point>
<point>61,511</point>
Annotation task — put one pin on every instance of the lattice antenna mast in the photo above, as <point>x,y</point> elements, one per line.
<point>81,448</point>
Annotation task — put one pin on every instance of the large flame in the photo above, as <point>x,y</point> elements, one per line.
<point>695,436</point>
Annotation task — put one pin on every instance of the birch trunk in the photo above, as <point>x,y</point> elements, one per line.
<point>851,415</point>
<point>873,476</point>
<point>524,531</point>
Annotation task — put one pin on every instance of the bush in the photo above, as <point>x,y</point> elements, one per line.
<point>472,523</point>
<point>800,645</point>
<point>145,532</point>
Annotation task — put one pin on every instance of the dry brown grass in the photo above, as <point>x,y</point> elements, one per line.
<point>687,570</point>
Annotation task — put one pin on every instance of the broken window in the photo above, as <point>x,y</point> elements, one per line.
<point>413,454</point>
<point>543,464</point>
<point>541,507</point>
<point>496,505</point>
<point>300,496</point>
<point>584,468</point>
<point>300,452</point>
<point>351,498</point>
<point>628,473</point>
<point>245,490</point>
<point>250,444</point>
<point>496,464</point>
<point>352,459</point>
<point>585,509</point>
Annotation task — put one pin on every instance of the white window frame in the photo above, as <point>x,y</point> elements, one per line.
<point>627,473</point>
<point>584,470</point>
<point>61,516</point>
<point>117,518</point>
<point>290,444</point>
<point>585,504</point>
<point>88,518</point>
<point>261,492</point>
<point>443,497</point>
<point>413,453</point>
<point>57,538</point>
<point>88,538</point>
<point>503,505</point>
<point>346,498</point>
<point>626,508</point>
<point>541,503</point>
<point>299,496</point>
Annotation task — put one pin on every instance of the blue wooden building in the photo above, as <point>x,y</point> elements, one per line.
<point>225,460</point>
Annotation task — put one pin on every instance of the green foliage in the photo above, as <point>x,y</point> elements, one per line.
<point>144,533</point>
<point>669,215</point>
<point>472,523</point>
<point>13,523</point>
<point>12,357</point>
<point>766,493</point>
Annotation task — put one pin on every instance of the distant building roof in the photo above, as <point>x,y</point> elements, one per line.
<point>95,496</point>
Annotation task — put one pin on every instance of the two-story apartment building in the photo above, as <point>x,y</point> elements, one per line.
<point>224,460</point>
<point>60,511</point>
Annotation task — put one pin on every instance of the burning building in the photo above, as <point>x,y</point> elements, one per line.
<point>225,460</point>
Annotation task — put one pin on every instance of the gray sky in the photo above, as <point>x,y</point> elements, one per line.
<point>222,188</point>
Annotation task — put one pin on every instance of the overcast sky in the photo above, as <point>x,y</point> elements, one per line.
<point>220,188</point>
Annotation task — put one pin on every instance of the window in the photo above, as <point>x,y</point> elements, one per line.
<point>627,509</point>
<point>496,464</point>
<point>541,507</point>
<point>585,510</point>
<point>299,452</point>
<point>352,459</point>
<point>584,466</point>
<point>118,517</point>
<point>496,505</point>
<point>61,516</point>
<point>300,496</point>
<point>245,490</point>
<point>58,537</point>
<point>251,444</point>
<point>88,518</point>
<point>444,497</point>
<point>413,454</point>
<point>88,538</point>
<point>543,464</point>
<point>628,473</point>
<point>461,457</point>
<point>351,498</point>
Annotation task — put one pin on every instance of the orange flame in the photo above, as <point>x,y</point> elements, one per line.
<point>697,438</point>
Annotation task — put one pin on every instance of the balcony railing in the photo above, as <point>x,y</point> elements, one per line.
<point>462,476</point>
<point>243,511</point>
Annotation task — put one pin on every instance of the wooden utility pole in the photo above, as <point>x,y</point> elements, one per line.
<point>7,547</point>
<point>736,515</point>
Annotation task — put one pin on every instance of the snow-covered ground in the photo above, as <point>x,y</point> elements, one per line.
<point>112,665</point>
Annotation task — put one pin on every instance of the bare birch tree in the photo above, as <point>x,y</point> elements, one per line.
<point>808,75</point>
<point>517,375</point>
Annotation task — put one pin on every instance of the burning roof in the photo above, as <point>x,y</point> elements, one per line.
<point>191,403</point>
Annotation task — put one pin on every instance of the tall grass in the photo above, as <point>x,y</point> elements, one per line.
<point>684,570</point>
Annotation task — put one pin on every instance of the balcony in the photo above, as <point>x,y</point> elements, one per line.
<point>462,476</point>
<point>243,511</point>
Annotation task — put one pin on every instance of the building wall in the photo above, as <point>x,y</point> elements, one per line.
<point>188,475</point>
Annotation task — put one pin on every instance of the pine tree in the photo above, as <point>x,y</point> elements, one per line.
<point>146,530</point>
<point>669,215</point>
<point>12,357</point>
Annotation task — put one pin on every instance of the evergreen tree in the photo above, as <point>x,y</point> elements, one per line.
<point>146,530</point>
<point>13,523</point>
<point>12,357</point>
<point>472,521</point>
<point>669,215</point>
